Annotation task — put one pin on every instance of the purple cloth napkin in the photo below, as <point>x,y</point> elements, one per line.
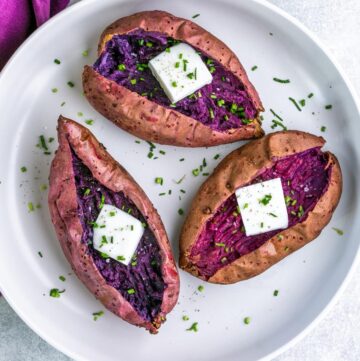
<point>18,18</point>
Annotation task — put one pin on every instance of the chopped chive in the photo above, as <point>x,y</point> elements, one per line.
<point>62,104</point>
<point>302,102</point>
<point>87,191</point>
<point>276,115</point>
<point>149,44</point>
<point>329,106</point>
<point>174,84</point>
<point>195,16</point>
<point>167,50</point>
<point>133,81</point>
<point>180,211</point>
<point>211,112</point>
<point>247,320</point>
<point>150,155</point>
<point>276,123</point>
<point>323,128</point>
<point>195,172</point>
<point>54,292</point>
<point>80,114</point>
<point>122,67</point>
<point>130,291</point>
<point>212,69</point>
<point>141,41</point>
<point>338,231</point>
<point>162,194</point>
<point>272,214</point>
<point>295,103</point>
<point>177,64</point>
<point>62,278</point>
<point>193,327</point>
<point>137,141</point>
<point>120,258</point>
<point>219,244</point>
<point>70,84</point>
<point>89,121</point>
<point>185,318</point>
<point>216,156</point>
<point>276,292</point>
<point>102,201</point>
<point>96,315</point>
<point>310,95</point>
<point>266,199</point>
<point>181,179</point>
<point>181,159</point>
<point>57,61</point>
<point>185,64</point>
<point>282,81</point>
<point>201,288</point>
<point>162,152</point>
<point>54,90</point>
<point>159,180</point>
<point>23,169</point>
<point>40,254</point>
<point>254,67</point>
<point>85,53</point>
<point>30,207</point>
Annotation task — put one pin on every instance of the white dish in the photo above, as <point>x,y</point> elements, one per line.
<point>307,280</point>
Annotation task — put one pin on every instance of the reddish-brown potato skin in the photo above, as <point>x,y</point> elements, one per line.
<point>238,169</point>
<point>63,207</point>
<point>150,121</point>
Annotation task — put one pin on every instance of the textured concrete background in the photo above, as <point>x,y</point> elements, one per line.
<point>337,337</point>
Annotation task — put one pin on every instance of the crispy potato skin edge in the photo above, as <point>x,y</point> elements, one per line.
<point>63,206</point>
<point>239,168</point>
<point>150,121</point>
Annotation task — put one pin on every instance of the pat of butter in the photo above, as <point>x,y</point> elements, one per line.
<point>117,234</point>
<point>180,71</point>
<point>262,207</point>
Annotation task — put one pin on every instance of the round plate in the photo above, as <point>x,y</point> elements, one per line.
<point>307,281</point>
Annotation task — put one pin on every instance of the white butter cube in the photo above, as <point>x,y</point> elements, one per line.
<point>262,207</point>
<point>180,71</point>
<point>117,234</point>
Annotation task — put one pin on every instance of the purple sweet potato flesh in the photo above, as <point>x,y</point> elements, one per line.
<point>135,49</point>
<point>305,178</point>
<point>143,274</point>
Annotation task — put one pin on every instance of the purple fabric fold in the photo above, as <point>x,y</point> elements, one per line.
<point>19,18</point>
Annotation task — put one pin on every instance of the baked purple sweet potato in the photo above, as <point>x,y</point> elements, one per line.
<point>83,178</point>
<point>213,243</point>
<point>121,86</point>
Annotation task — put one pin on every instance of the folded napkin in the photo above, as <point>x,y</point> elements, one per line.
<point>18,18</point>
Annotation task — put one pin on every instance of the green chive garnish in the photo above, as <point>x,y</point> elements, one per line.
<point>55,292</point>
<point>180,211</point>
<point>57,61</point>
<point>247,320</point>
<point>40,254</point>
<point>195,16</point>
<point>23,169</point>
<point>96,315</point>
<point>85,52</point>
<point>193,327</point>
<point>130,291</point>
<point>310,95</point>
<point>89,121</point>
<point>195,172</point>
<point>185,318</point>
<point>266,199</point>
<point>174,84</point>
<point>295,103</point>
<point>122,67</point>
<point>338,231</point>
<point>133,81</point>
<point>302,102</point>
<point>54,90</point>
<point>30,207</point>
<point>329,106</point>
<point>62,278</point>
<point>282,81</point>
<point>201,288</point>
<point>254,68</point>
<point>159,180</point>
<point>323,128</point>
<point>70,84</point>
<point>276,292</point>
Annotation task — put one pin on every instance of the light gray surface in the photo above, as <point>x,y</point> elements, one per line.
<point>337,337</point>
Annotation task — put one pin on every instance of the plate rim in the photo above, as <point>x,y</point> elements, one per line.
<point>355,97</point>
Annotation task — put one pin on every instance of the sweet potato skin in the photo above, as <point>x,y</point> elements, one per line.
<point>63,206</point>
<point>239,168</point>
<point>150,121</point>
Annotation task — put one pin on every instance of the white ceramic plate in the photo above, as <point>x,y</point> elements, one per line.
<point>307,280</point>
